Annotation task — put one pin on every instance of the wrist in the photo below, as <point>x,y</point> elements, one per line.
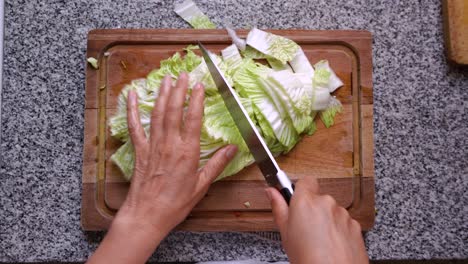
<point>128,241</point>
<point>142,227</point>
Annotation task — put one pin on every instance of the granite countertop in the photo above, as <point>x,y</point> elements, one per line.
<point>421,125</point>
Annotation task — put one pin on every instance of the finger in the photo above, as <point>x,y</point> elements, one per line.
<point>358,245</point>
<point>280,210</point>
<point>307,186</point>
<point>175,106</point>
<point>137,133</point>
<point>193,119</point>
<point>342,219</point>
<point>216,164</point>
<point>157,115</point>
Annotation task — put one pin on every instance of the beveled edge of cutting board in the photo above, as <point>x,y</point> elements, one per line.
<point>99,216</point>
<point>96,220</point>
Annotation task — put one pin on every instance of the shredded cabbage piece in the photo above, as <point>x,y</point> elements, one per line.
<point>236,40</point>
<point>332,82</point>
<point>328,115</point>
<point>275,46</point>
<point>190,12</point>
<point>93,62</point>
<point>301,64</point>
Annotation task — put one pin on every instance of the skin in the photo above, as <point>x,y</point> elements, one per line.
<point>167,184</point>
<point>314,228</point>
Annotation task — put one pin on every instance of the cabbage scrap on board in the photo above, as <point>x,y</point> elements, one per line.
<point>282,98</point>
<point>189,11</point>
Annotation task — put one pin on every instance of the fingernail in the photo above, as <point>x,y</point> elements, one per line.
<point>183,75</point>
<point>198,86</point>
<point>231,151</point>
<point>268,194</point>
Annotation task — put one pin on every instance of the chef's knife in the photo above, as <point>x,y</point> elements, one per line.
<point>274,176</point>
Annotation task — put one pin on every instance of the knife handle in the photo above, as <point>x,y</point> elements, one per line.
<point>286,193</point>
<point>286,187</point>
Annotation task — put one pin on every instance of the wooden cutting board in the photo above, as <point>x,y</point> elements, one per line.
<point>340,157</point>
<point>456,30</point>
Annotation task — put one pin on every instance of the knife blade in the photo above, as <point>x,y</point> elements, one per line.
<point>274,176</point>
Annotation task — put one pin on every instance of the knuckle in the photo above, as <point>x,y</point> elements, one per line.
<point>189,122</point>
<point>130,104</point>
<point>216,164</point>
<point>308,184</point>
<point>311,182</point>
<point>328,200</point>
<point>204,173</point>
<point>300,183</point>
<point>159,173</point>
<point>342,212</point>
<point>355,226</point>
<point>156,114</point>
<point>301,186</point>
<point>304,202</point>
<point>172,108</point>
<point>131,126</point>
<point>154,118</point>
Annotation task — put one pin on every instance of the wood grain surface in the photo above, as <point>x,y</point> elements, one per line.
<point>456,30</point>
<point>341,157</point>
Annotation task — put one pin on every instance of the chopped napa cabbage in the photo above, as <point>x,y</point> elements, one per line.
<point>93,62</point>
<point>191,47</point>
<point>250,82</point>
<point>267,131</point>
<point>236,40</point>
<point>219,125</point>
<point>295,98</point>
<point>202,74</point>
<point>252,53</point>
<point>173,66</point>
<point>282,98</point>
<point>297,93</point>
<point>320,98</point>
<point>328,115</point>
<point>329,79</point>
<point>275,46</point>
<point>232,58</point>
<point>118,122</point>
<point>286,107</point>
<point>124,158</point>
<point>241,160</point>
<point>278,65</point>
<point>300,64</point>
<point>189,11</point>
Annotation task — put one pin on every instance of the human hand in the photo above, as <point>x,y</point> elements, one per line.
<point>166,182</point>
<point>315,229</point>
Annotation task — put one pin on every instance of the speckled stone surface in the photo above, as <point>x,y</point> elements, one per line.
<point>421,125</point>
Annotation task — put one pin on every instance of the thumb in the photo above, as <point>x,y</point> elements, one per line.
<point>280,210</point>
<point>217,163</point>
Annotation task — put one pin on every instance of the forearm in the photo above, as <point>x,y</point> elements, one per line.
<point>127,244</point>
